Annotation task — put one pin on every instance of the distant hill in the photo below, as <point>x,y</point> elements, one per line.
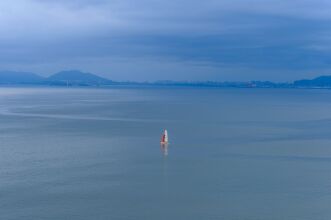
<point>12,77</point>
<point>75,77</point>
<point>78,78</point>
<point>322,81</point>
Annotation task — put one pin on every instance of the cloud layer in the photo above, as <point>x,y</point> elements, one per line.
<point>154,39</point>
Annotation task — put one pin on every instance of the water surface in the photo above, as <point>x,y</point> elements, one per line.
<point>234,154</point>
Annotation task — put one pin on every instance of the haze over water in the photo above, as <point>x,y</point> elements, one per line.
<point>234,154</point>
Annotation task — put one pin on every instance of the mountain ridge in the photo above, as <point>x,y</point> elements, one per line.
<point>79,78</point>
<point>65,77</point>
<point>12,77</point>
<point>320,81</point>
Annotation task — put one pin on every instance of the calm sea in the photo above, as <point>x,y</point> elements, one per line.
<point>234,154</point>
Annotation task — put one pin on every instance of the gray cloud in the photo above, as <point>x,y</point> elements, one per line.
<point>145,39</point>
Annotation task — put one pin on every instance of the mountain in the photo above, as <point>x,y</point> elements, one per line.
<point>78,78</point>
<point>12,77</point>
<point>75,77</point>
<point>322,81</point>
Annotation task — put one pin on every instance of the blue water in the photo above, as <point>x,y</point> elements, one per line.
<point>234,154</point>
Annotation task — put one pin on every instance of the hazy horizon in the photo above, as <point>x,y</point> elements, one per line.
<point>81,74</point>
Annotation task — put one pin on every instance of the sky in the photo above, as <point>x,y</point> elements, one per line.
<point>279,40</point>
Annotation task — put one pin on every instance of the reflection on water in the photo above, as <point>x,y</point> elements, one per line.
<point>164,149</point>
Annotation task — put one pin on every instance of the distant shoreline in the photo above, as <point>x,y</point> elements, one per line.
<point>75,78</point>
<point>151,86</point>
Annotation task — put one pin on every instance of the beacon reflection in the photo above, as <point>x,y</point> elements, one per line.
<point>164,149</point>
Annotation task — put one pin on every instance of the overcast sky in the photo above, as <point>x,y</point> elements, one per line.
<point>277,40</point>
